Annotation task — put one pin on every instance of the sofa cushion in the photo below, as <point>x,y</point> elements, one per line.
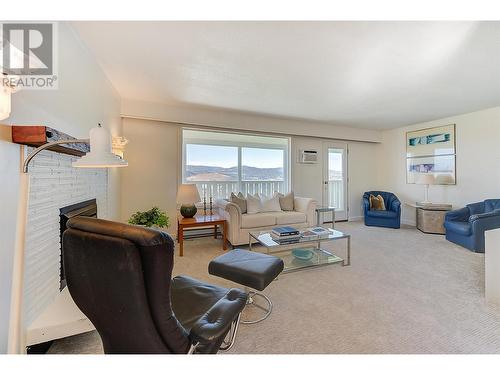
<point>286,201</point>
<point>460,227</point>
<point>258,220</point>
<point>290,217</point>
<point>271,204</point>
<point>240,201</point>
<point>254,204</point>
<point>382,214</point>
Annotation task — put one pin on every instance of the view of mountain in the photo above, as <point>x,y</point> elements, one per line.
<point>211,173</point>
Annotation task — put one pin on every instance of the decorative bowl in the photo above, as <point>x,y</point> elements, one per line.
<point>303,254</point>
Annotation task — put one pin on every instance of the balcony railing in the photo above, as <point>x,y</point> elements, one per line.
<point>223,189</point>
<point>336,194</point>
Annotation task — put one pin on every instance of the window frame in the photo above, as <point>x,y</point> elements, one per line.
<point>286,148</point>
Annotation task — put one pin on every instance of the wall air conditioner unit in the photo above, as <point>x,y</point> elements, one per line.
<point>308,157</point>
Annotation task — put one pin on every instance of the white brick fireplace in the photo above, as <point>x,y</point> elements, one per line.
<point>54,184</point>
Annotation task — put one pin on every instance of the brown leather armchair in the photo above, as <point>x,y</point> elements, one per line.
<point>120,277</point>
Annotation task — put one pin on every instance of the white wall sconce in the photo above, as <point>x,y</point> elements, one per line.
<point>7,88</point>
<point>118,145</point>
<point>100,155</point>
<point>5,101</point>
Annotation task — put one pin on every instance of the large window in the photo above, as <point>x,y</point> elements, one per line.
<point>221,163</point>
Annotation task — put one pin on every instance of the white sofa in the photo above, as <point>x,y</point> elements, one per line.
<point>239,225</point>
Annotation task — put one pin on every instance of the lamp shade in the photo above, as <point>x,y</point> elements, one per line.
<point>188,194</point>
<point>4,102</point>
<point>100,155</point>
<point>426,179</point>
<point>445,179</point>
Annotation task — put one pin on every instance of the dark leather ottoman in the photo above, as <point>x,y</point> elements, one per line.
<point>251,269</point>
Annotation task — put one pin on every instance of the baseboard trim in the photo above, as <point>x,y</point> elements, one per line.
<point>409,222</point>
<point>356,218</point>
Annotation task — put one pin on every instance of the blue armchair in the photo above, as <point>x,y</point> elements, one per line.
<point>467,225</point>
<point>391,218</point>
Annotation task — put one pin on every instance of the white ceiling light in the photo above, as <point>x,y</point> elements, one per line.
<point>100,154</point>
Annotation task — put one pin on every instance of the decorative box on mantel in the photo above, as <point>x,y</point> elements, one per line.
<point>38,135</point>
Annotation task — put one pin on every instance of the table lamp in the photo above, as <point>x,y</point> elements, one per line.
<point>187,196</point>
<point>426,179</point>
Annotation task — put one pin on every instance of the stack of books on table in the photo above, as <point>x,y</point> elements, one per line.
<point>285,235</point>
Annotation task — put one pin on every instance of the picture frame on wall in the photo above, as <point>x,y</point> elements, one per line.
<point>431,142</point>
<point>431,151</point>
<point>442,169</point>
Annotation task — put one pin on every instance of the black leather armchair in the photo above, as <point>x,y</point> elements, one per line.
<point>120,277</point>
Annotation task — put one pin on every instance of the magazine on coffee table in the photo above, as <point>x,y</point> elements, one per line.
<point>316,232</point>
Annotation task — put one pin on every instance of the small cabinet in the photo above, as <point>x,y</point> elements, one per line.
<point>431,220</point>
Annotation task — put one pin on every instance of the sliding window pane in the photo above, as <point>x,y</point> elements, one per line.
<point>262,170</point>
<point>211,163</point>
<point>214,169</point>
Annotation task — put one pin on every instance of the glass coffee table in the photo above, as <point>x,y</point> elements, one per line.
<point>304,252</point>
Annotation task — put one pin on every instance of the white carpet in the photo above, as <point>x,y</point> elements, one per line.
<point>405,292</point>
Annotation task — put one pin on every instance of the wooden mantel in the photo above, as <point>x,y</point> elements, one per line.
<point>39,135</point>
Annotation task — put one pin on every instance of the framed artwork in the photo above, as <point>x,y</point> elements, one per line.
<point>442,169</point>
<point>431,142</point>
<point>431,156</point>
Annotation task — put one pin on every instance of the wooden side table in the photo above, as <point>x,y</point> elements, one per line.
<point>200,221</point>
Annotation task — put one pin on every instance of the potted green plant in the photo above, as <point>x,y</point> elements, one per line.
<point>152,218</point>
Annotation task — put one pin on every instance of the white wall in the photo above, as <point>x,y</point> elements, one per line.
<point>234,120</point>
<point>154,157</point>
<point>152,176</point>
<point>477,162</point>
<point>9,186</point>
<point>84,98</point>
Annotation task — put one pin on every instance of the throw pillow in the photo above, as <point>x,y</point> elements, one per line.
<point>254,204</point>
<point>382,203</point>
<point>240,201</point>
<point>377,203</point>
<point>286,201</point>
<point>271,204</point>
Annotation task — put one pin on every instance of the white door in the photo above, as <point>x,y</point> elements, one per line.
<point>335,179</point>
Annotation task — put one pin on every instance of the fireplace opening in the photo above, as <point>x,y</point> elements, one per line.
<point>86,208</point>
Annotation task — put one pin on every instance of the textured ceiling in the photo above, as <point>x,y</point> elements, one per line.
<point>365,74</point>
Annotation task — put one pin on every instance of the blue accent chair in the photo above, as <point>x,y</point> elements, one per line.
<point>467,225</point>
<point>391,218</point>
